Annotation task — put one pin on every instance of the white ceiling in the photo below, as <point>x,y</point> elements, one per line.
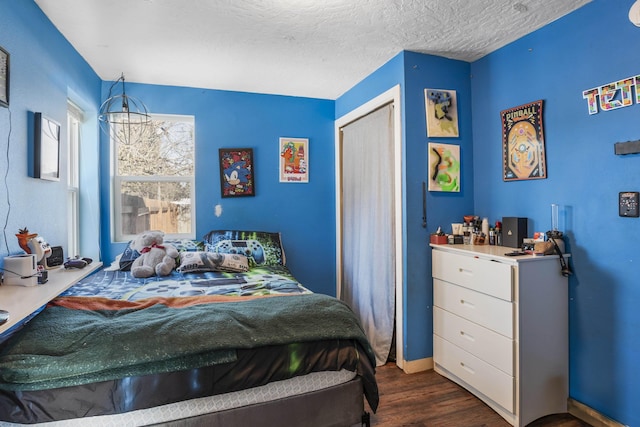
<point>310,48</point>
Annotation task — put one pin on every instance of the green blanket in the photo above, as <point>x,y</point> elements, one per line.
<point>63,347</point>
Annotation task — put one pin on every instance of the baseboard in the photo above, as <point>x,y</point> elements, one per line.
<point>590,415</point>
<point>414,366</point>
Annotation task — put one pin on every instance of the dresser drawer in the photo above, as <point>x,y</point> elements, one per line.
<point>491,381</point>
<point>493,348</point>
<point>482,275</point>
<point>487,311</point>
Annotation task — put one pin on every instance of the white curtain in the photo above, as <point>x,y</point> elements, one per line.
<point>368,244</point>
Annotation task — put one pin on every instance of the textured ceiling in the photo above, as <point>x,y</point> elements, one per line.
<point>311,48</point>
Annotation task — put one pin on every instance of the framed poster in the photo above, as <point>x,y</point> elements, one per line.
<point>442,113</point>
<point>294,160</point>
<point>523,153</point>
<point>4,78</point>
<point>237,177</point>
<point>444,167</point>
<point>46,148</point>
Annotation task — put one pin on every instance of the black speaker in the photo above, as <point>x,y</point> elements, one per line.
<point>56,258</point>
<point>514,230</point>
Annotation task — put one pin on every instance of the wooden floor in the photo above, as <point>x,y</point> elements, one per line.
<point>427,399</point>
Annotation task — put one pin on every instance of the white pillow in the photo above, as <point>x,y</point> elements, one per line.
<point>200,261</point>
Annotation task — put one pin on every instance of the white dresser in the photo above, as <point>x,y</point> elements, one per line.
<point>500,328</point>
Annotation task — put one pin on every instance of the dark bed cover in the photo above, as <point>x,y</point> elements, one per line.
<point>113,343</point>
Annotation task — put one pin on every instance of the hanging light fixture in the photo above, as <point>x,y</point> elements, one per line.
<point>634,13</point>
<point>123,116</point>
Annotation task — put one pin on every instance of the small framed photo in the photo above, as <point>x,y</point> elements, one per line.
<point>46,148</point>
<point>294,160</point>
<point>237,172</point>
<point>4,78</point>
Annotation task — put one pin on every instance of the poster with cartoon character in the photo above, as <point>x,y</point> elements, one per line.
<point>442,113</point>
<point>523,152</point>
<point>237,172</point>
<point>294,160</point>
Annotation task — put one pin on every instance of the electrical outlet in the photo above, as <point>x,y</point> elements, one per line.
<point>628,203</point>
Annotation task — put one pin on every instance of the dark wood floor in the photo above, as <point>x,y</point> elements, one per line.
<point>426,399</point>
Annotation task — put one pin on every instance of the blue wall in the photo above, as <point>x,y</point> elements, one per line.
<point>415,72</point>
<point>591,47</point>
<point>303,213</point>
<point>44,72</point>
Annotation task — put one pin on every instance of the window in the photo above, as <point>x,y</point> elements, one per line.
<point>154,179</point>
<point>74,121</point>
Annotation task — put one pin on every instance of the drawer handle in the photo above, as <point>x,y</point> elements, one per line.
<point>465,367</point>
<point>465,271</point>
<point>467,336</point>
<point>463,302</point>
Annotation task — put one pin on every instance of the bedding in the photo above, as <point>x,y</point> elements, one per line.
<point>175,338</point>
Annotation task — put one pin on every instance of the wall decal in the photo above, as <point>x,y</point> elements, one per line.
<point>523,143</point>
<point>444,167</point>
<point>442,113</point>
<point>294,160</point>
<point>237,177</point>
<point>613,95</point>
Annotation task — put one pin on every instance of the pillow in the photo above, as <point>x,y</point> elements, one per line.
<point>195,262</point>
<point>182,245</point>
<point>261,247</point>
<point>128,256</point>
<point>186,245</point>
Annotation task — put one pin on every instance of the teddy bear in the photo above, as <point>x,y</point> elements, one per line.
<point>155,257</point>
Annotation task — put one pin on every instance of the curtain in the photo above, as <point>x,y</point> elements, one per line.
<point>368,244</point>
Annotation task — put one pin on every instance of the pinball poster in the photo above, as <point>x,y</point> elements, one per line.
<point>523,152</point>
<point>237,177</point>
<point>294,160</point>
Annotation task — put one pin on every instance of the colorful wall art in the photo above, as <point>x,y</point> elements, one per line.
<point>294,160</point>
<point>444,167</point>
<point>237,177</point>
<point>442,113</point>
<point>523,143</point>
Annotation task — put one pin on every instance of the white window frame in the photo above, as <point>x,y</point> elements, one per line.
<point>118,181</point>
<point>75,117</point>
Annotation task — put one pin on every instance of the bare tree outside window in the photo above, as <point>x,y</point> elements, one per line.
<point>154,179</point>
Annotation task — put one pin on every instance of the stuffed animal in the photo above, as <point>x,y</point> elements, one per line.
<point>155,257</point>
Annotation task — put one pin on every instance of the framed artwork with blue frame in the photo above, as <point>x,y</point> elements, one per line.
<point>237,172</point>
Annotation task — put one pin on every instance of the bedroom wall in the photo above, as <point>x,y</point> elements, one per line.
<point>415,72</point>
<point>593,46</point>
<point>44,72</point>
<point>303,213</point>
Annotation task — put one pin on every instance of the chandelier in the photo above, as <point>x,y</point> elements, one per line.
<point>122,116</point>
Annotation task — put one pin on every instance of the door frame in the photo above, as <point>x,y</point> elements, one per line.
<point>391,96</point>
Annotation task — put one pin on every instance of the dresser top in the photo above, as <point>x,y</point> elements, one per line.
<point>493,252</point>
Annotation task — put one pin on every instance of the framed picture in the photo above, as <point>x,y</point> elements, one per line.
<point>4,78</point>
<point>441,106</point>
<point>46,148</point>
<point>444,167</point>
<point>237,177</point>
<point>294,160</point>
<point>523,152</point>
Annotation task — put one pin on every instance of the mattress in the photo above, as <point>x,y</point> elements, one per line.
<point>195,407</point>
<point>226,372</point>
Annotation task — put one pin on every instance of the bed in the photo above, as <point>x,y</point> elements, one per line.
<point>197,347</point>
